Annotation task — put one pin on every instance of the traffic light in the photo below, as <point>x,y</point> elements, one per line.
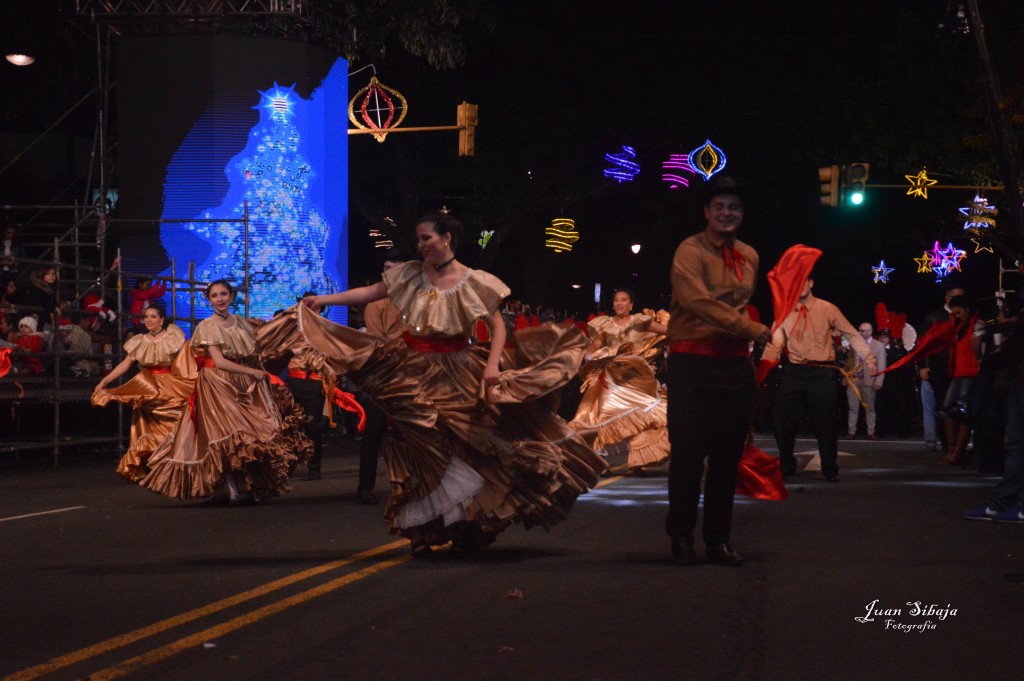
<point>829,179</point>
<point>855,179</point>
<point>466,120</point>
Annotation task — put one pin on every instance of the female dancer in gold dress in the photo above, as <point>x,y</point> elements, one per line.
<point>158,394</point>
<point>477,442</point>
<point>622,401</point>
<point>232,444</point>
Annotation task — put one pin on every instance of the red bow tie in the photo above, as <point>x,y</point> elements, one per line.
<point>733,259</point>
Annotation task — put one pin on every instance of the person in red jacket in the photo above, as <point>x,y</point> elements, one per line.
<point>963,368</point>
<point>142,294</point>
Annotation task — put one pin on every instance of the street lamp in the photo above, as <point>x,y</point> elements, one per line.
<point>635,248</point>
<point>20,59</point>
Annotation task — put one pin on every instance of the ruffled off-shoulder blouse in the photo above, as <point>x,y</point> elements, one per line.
<point>427,311</point>
<point>159,352</point>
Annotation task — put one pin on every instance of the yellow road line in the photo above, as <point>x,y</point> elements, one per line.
<point>167,624</point>
<point>197,639</point>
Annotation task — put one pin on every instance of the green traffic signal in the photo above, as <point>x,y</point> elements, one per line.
<point>855,179</point>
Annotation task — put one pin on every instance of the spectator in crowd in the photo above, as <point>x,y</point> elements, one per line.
<point>896,403</point>
<point>10,250</point>
<point>8,293</point>
<point>963,369</point>
<point>31,343</point>
<point>144,292</point>
<point>41,294</point>
<point>77,343</point>
<point>866,381</point>
<point>1005,502</point>
<point>934,370</point>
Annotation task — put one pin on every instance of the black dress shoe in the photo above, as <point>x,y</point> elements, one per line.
<point>421,549</point>
<point>722,554</point>
<point>365,496</point>
<point>682,551</point>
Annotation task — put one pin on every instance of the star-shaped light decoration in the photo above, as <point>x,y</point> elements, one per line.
<point>953,256</point>
<point>924,263</point>
<point>979,247</point>
<point>980,216</point>
<point>882,273</point>
<point>919,184</point>
<point>945,260</point>
<point>277,103</point>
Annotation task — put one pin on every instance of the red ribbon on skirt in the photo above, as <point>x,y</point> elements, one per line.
<point>433,344</point>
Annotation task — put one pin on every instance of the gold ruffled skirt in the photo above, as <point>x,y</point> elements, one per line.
<point>157,401</point>
<point>461,461</point>
<point>234,426</point>
<point>622,402</point>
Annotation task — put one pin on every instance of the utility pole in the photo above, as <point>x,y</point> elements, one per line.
<point>1006,151</point>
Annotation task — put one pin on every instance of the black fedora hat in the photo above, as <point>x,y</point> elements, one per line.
<point>720,185</point>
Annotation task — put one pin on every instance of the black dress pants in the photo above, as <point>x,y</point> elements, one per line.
<point>811,390</point>
<point>369,447</point>
<point>709,412</point>
<point>309,393</point>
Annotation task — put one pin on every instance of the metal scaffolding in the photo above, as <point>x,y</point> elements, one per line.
<point>304,20</point>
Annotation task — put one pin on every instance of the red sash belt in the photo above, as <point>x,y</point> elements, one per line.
<point>431,344</point>
<point>204,362</point>
<point>159,370</point>
<point>303,374</point>
<point>723,347</point>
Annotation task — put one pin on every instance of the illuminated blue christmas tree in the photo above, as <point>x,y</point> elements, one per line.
<point>296,230</point>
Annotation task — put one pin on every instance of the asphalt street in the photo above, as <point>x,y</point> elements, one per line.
<point>875,577</point>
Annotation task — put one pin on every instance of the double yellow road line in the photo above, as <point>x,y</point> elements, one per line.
<point>193,640</point>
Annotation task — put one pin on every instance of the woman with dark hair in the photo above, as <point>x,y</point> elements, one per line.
<point>477,445</point>
<point>158,394</point>
<point>622,400</point>
<point>41,294</point>
<point>231,444</point>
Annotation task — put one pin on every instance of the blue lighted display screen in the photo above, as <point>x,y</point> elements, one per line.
<point>252,143</point>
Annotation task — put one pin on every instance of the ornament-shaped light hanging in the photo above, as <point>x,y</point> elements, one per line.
<point>561,235</point>
<point>677,168</point>
<point>624,168</point>
<point>380,108</point>
<point>707,159</point>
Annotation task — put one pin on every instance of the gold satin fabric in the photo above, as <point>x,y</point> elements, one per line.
<point>427,311</point>
<point>532,464</point>
<point>237,427</point>
<point>157,400</point>
<point>622,400</point>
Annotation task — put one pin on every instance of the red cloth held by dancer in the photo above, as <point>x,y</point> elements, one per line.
<point>760,476</point>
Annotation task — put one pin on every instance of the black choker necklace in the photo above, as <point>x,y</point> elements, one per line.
<point>449,261</point>
<point>155,333</point>
<point>222,316</point>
